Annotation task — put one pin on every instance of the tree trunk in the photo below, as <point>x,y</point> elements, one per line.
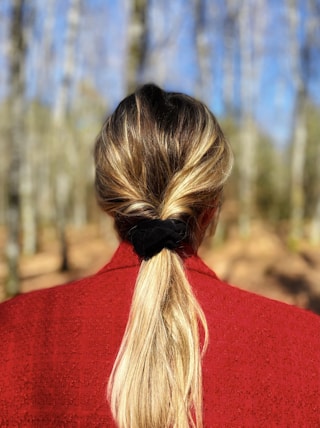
<point>315,225</point>
<point>313,23</point>
<point>63,144</point>
<point>299,144</point>
<point>315,219</point>
<point>29,152</point>
<point>202,50</point>
<point>137,42</point>
<point>299,132</point>
<point>45,65</point>
<point>251,37</point>
<point>28,203</point>
<point>17,58</point>
<point>247,171</point>
<point>80,211</point>
<point>228,59</point>
<point>44,62</point>
<point>247,136</point>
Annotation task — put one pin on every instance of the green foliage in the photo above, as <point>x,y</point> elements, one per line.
<point>231,130</point>
<point>271,182</point>
<point>312,166</point>
<point>267,168</point>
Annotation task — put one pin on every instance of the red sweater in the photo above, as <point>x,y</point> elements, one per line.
<point>58,345</point>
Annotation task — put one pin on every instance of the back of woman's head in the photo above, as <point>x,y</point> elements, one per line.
<point>161,156</point>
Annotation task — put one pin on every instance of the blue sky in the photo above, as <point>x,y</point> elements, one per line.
<point>103,41</point>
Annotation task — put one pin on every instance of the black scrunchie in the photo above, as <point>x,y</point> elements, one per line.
<point>149,237</point>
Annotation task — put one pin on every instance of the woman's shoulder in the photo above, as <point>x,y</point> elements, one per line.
<point>260,351</point>
<point>40,304</point>
<point>250,312</point>
<point>82,296</point>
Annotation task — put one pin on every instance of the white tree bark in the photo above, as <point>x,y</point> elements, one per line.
<point>251,28</point>
<point>44,65</point>
<point>202,50</point>
<point>313,22</point>
<point>315,220</point>
<point>45,48</point>
<point>28,167</point>
<point>137,36</point>
<point>299,131</point>
<point>17,113</point>
<point>68,66</point>
<point>28,203</point>
<point>230,30</point>
<point>64,153</point>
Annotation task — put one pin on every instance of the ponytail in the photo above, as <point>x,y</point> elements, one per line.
<point>156,378</point>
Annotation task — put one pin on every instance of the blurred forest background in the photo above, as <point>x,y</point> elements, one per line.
<point>65,64</point>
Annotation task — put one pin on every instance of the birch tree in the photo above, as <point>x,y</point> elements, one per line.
<point>249,41</point>
<point>230,38</point>
<point>16,135</point>
<point>312,176</point>
<point>63,145</point>
<point>315,222</point>
<point>315,218</point>
<point>299,60</point>
<point>203,50</point>
<point>28,166</point>
<point>138,33</point>
<point>4,120</point>
<point>44,66</point>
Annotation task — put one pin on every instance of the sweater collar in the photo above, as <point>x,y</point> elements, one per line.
<point>125,257</point>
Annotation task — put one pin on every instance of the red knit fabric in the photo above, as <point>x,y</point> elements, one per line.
<point>262,367</point>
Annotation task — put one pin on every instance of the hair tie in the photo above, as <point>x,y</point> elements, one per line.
<point>149,237</point>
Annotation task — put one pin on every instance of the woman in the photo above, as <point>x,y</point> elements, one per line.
<point>155,333</point>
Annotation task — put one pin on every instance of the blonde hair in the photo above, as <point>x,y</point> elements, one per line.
<point>161,155</point>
